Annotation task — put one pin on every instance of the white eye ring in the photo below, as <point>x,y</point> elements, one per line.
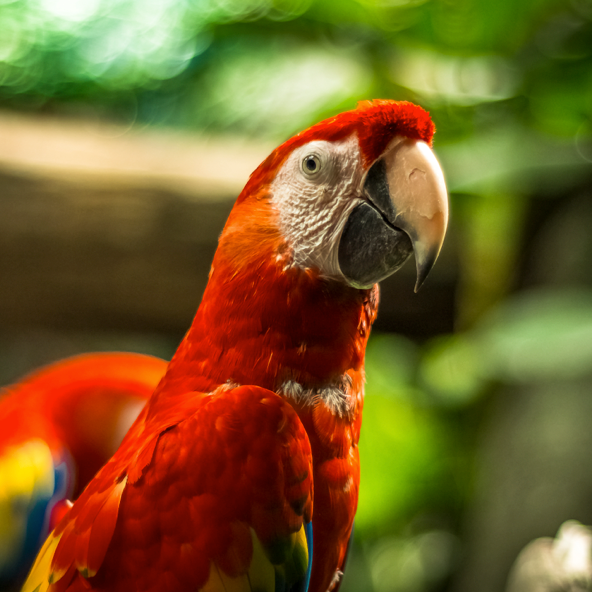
<point>311,165</point>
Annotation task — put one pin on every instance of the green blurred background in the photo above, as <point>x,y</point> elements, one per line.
<point>121,122</point>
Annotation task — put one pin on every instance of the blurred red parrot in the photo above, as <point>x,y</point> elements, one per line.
<point>247,451</point>
<point>58,427</point>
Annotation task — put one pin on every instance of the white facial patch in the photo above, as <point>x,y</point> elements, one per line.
<point>314,192</point>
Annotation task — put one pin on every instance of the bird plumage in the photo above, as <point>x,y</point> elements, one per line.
<point>254,428</point>
<point>58,426</point>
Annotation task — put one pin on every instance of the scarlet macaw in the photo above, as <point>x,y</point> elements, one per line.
<point>58,427</point>
<point>258,416</point>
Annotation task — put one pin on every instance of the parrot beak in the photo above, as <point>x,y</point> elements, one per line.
<point>419,200</point>
<point>405,209</point>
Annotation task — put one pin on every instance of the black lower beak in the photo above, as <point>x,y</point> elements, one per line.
<point>370,249</point>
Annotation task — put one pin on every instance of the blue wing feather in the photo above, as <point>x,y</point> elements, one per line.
<point>308,530</point>
<point>303,584</point>
<point>32,484</point>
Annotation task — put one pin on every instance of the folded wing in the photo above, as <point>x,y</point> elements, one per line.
<point>219,500</point>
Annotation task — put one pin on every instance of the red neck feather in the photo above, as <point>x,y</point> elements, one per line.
<point>262,323</point>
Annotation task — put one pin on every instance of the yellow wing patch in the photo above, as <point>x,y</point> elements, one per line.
<point>218,581</point>
<point>262,575</point>
<point>261,571</point>
<point>26,477</point>
<point>38,579</point>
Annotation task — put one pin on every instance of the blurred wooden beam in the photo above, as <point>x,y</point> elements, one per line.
<point>107,155</point>
<point>104,227</point>
<point>110,227</point>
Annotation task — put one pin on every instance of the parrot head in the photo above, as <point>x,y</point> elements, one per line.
<point>292,291</point>
<point>351,197</point>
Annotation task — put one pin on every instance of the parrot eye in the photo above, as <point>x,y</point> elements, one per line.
<point>311,165</point>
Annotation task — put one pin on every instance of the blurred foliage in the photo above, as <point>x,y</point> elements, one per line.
<point>416,447</point>
<point>415,436</point>
<point>415,472</point>
<point>509,84</point>
<point>538,336</point>
<point>271,66</point>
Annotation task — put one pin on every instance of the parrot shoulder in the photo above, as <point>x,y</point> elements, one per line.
<point>224,489</point>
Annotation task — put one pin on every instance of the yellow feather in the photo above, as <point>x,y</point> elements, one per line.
<point>218,581</point>
<point>300,554</point>
<point>297,562</point>
<point>27,470</point>
<point>26,476</point>
<point>261,572</point>
<point>260,576</point>
<point>38,579</point>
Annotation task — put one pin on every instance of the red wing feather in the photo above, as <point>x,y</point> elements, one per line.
<point>87,536</point>
<point>238,466</point>
<point>102,530</point>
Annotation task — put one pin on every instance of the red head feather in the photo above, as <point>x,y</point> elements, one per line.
<point>375,122</point>
<point>252,294</point>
